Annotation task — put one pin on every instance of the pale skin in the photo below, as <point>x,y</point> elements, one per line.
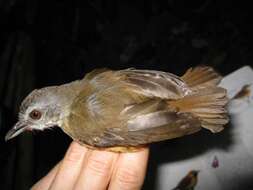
<point>83,168</point>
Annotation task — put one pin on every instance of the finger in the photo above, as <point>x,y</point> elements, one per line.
<point>45,182</point>
<point>97,170</point>
<point>130,171</point>
<point>70,167</point>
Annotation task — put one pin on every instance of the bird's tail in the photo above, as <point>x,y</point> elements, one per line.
<point>201,77</point>
<point>207,101</point>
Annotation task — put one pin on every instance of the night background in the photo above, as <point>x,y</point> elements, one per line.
<point>46,43</point>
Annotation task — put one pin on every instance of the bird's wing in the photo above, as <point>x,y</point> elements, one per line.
<point>137,124</point>
<point>149,122</point>
<point>93,74</point>
<point>149,128</point>
<point>148,83</point>
<point>156,83</point>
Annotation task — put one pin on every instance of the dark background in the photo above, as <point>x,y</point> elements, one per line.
<point>53,42</point>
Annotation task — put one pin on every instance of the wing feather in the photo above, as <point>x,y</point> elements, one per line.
<point>150,128</point>
<point>156,83</point>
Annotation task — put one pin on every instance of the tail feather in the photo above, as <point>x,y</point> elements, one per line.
<point>207,101</point>
<point>201,76</point>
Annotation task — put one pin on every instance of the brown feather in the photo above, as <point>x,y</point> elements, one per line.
<point>131,108</point>
<point>207,100</point>
<point>201,76</point>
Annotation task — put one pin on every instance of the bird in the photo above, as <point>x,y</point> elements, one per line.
<point>125,110</point>
<point>189,181</point>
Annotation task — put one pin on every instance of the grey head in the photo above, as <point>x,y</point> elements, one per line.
<point>41,109</point>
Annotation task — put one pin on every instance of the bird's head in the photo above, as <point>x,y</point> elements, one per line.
<point>40,110</point>
<point>194,173</point>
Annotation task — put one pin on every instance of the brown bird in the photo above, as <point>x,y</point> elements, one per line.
<point>189,181</point>
<point>125,109</point>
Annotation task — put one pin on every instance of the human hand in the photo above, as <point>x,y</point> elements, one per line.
<point>83,168</point>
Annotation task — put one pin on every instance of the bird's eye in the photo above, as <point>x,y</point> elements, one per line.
<point>35,114</point>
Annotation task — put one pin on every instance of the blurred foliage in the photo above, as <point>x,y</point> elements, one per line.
<point>51,42</point>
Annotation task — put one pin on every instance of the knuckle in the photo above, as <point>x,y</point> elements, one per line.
<point>128,178</point>
<point>99,166</point>
<point>74,154</point>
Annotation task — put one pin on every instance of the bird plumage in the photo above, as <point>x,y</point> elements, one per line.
<point>131,108</point>
<point>189,181</point>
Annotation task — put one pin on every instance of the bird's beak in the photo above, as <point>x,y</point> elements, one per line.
<point>16,130</point>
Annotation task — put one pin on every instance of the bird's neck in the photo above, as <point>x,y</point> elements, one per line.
<point>67,93</point>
